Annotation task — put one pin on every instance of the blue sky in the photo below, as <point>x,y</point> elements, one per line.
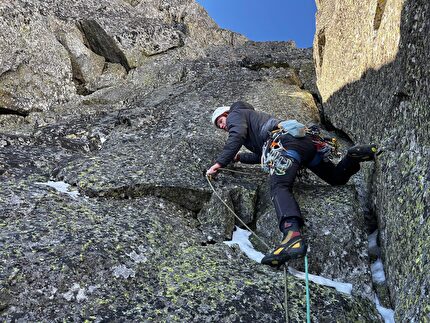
<point>264,20</point>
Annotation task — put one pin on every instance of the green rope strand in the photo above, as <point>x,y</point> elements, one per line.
<point>265,244</point>
<point>308,302</point>
<point>287,316</point>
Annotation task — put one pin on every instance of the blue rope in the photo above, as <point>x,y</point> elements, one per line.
<point>308,302</point>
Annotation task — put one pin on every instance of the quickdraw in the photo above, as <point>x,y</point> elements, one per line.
<point>327,147</point>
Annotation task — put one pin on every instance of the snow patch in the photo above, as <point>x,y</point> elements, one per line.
<point>61,187</point>
<point>241,238</point>
<point>373,244</point>
<point>378,275</point>
<point>340,287</point>
<point>386,313</point>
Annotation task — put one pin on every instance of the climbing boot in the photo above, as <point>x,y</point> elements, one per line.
<point>363,152</point>
<point>292,246</point>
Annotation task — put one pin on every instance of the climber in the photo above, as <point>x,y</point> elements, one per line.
<point>252,129</point>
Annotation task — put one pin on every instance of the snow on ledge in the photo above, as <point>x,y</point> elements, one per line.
<point>340,287</point>
<point>61,187</point>
<point>241,238</point>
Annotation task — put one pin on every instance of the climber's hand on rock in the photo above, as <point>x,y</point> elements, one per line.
<point>213,170</point>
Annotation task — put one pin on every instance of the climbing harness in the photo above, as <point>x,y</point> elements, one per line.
<point>208,178</point>
<point>276,159</point>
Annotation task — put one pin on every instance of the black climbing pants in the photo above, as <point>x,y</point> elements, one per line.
<point>281,186</point>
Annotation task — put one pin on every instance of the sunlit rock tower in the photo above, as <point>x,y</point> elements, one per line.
<point>372,65</point>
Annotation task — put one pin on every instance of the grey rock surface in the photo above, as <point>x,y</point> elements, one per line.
<point>334,231</point>
<point>381,94</point>
<point>32,79</point>
<point>124,235</point>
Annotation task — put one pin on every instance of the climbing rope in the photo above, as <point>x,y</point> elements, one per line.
<point>233,171</point>
<point>308,302</point>
<point>287,316</point>
<point>308,320</point>
<point>261,240</point>
<point>236,216</point>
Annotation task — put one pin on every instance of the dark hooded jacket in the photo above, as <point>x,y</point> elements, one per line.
<point>249,128</point>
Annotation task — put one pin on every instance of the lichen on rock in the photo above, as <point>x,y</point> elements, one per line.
<point>133,245</point>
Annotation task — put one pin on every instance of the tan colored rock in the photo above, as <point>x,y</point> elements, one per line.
<point>353,37</point>
<point>35,71</point>
<point>87,65</point>
<point>113,74</point>
<point>373,73</point>
<point>283,101</point>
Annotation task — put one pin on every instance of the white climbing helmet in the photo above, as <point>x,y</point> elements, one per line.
<point>218,112</point>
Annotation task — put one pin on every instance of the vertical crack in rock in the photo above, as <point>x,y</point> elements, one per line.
<point>379,12</point>
<point>244,201</point>
<point>216,221</point>
<point>101,43</point>
<point>321,45</point>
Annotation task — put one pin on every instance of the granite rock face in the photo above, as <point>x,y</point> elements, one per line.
<point>381,94</point>
<point>81,38</point>
<point>105,212</point>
